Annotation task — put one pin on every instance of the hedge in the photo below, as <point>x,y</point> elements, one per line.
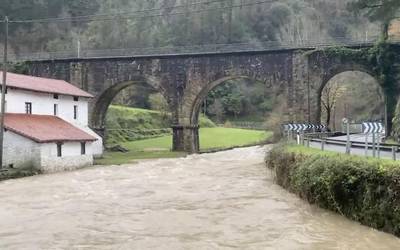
<point>364,190</point>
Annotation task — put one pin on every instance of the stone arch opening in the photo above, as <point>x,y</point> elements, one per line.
<point>195,110</point>
<point>346,93</point>
<point>105,99</point>
<point>202,95</point>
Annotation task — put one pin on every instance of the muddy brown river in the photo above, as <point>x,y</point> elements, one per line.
<point>226,200</point>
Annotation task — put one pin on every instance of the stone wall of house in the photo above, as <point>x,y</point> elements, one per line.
<point>71,157</point>
<point>20,152</point>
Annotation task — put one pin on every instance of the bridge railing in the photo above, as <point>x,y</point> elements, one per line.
<point>192,49</point>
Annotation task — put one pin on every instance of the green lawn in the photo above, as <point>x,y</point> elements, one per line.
<point>299,149</point>
<point>210,138</point>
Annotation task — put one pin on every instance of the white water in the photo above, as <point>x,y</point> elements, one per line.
<point>224,200</point>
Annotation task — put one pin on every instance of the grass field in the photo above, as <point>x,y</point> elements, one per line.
<point>299,149</point>
<point>144,124</point>
<point>210,138</point>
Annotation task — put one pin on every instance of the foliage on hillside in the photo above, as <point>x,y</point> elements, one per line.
<point>382,10</point>
<point>216,22</point>
<point>365,190</point>
<point>240,100</point>
<point>130,124</point>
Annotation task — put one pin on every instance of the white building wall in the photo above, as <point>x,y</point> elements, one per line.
<point>71,157</point>
<point>20,151</point>
<point>43,104</point>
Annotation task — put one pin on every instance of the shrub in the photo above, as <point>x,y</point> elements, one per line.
<point>361,189</point>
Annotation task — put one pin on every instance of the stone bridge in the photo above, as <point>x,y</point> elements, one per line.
<point>185,80</point>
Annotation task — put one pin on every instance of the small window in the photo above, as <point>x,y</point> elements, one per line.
<point>83,148</point>
<point>59,149</point>
<point>75,112</point>
<point>55,109</point>
<point>76,98</point>
<point>55,96</point>
<point>28,108</point>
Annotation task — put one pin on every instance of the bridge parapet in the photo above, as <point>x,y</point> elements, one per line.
<point>201,49</point>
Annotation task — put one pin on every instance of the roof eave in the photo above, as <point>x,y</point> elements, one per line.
<point>37,140</point>
<point>48,92</point>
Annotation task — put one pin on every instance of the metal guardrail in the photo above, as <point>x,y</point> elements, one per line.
<point>382,146</point>
<point>189,50</point>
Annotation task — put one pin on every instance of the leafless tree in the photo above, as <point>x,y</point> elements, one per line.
<point>330,95</point>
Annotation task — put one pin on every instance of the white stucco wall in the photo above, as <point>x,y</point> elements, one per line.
<point>71,157</point>
<point>43,104</point>
<point>97,146</point>
<point>20,151</point>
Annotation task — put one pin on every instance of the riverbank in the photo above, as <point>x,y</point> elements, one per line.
<point>211,139</point>
<point>12,173</point>
<point>366,190</point>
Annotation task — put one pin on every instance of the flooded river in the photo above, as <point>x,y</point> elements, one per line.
<point>225,200</point>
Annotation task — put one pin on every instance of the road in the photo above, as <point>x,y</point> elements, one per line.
<point>354,151</point>
<point>354,138</point>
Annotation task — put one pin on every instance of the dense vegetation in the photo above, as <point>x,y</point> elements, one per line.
<point>365,190</point>
<point>177,23</point>
<point>241,100</point>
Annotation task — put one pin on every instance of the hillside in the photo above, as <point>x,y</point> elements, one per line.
<point>217,22</point>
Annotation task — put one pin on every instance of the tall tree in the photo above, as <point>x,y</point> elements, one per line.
<point>378,10</point>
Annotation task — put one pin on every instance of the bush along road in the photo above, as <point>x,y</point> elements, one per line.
<point>363,189</point>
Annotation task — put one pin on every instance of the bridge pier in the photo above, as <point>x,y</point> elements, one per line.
<point>186,138</point>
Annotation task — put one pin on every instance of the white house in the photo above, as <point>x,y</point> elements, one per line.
<point>46,125</point>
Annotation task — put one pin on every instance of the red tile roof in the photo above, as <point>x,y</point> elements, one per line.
<point>45,85</point>
<point>45,128</point>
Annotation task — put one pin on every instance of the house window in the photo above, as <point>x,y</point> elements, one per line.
<point>75,112</point>
<point>55,96</point>
<point>59,149</point>
<point>83,148</point>
<point>55,109</point>
<point>28,108</point>
<point>76,98</point>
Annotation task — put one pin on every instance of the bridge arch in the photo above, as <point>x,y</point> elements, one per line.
<point>339,70</point>
<point>104,99</point>
<point>198,101</point>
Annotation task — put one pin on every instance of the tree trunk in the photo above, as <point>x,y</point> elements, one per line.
<point>328,116</point>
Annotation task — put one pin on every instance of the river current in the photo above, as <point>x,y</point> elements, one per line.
<point>225,200</point>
